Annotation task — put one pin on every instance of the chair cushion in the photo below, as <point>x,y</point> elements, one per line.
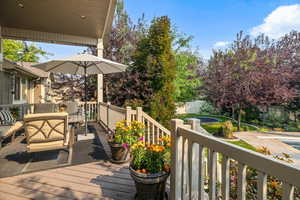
<point>6,118</point>
<point>44,146</point>
<point>40,129</point>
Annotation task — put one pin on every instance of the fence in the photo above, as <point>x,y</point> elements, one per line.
<point>189,150</point>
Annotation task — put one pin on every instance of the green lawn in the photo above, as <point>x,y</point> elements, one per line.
<point>215,126</point>
<point>243,144</point>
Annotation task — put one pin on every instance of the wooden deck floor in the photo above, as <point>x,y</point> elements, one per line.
<point>98,180</point>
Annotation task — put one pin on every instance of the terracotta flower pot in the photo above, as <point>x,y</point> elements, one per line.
<point>150,186</point>
<point>119,153</point>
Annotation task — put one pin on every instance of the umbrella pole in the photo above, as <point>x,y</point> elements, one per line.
<point>85,98</point>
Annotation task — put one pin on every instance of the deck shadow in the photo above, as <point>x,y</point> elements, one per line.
<point>14,159</point>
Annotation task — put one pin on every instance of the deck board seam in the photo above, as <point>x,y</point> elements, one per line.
<point>117,176</point>
<point>90,184</point>
<point>44,183</point>
<point>96,173</point>
<point>13,194</point>
<point>113,177</point>
<point>34,190</point>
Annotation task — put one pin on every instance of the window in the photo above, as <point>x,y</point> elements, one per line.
<point>17,89</point>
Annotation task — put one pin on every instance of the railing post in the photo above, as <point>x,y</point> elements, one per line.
<point>128,114</point>
<point>139,113</point>
<point>107,114</point>
<point>195,123</point>
<point>195,168</point>
<point>175,181</point>
<point>98,112</point>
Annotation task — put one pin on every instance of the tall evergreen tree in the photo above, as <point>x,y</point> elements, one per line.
<point>154,59</point>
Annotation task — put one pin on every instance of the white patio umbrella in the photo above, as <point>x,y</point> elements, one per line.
<point>82,64</point>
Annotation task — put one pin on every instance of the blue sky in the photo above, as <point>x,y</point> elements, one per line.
<point>213,23</point>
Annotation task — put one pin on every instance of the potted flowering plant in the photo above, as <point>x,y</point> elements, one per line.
<point>150,168</point>
<point>126,135</point>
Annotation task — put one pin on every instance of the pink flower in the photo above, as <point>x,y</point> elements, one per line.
<point>141,139</point>
<point>125,145</point>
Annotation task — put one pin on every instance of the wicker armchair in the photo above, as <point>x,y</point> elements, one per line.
<point>48,131</point>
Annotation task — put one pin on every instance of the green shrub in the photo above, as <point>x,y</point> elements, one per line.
<point>227,129</point>
<point>208,108</point>
<point>213,128</point>
<point>275,120</point>
<point>15,112</point>
<point>134,103</point>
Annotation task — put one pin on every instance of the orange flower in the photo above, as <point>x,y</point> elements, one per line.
<point>274,184</point>
<point>167,168</point>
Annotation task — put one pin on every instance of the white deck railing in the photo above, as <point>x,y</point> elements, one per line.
<point>92,110</point>
<point>189,150</point>
<point>108,115</point>
<point>19,110</point>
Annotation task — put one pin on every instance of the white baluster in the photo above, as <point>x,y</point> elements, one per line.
<point>241,187</point>
<point>212,174</point>
<point>288,192</point>
<point>225,177</point>
<point>262,186</point>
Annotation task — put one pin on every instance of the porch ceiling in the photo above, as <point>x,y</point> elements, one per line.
<point>81,20</point>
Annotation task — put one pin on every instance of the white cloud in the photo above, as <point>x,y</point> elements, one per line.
<point>280,21</point>
<point>221,44</point>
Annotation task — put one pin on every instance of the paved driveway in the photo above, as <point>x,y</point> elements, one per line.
<point>273,142</point>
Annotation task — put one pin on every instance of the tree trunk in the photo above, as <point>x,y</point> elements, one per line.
<point>239,119</point>
<point>232,113</point>
<point>266,109</point>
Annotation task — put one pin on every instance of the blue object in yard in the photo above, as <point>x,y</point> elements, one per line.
<point>206,119</point>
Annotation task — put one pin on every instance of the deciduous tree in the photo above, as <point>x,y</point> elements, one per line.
<point>250,72</point>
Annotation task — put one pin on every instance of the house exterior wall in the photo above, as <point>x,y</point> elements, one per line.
<point>5,88</point>
<point>37,92</point>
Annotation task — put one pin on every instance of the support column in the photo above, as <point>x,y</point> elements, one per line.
<point>100,76</point>
<point>1,49</point>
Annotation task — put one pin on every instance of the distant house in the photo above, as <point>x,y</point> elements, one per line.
<point>20,83</point>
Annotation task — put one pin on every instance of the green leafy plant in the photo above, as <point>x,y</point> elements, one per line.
<point>134,103</point>
<point>151,158</point>
<point>15,112</point>
<point>127,133</point>
<point>208,108</point>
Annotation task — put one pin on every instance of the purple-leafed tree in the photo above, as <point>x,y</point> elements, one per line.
<point>250,72</point>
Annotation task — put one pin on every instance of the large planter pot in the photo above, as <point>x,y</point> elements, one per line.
<point>150,186</point>
<point>119,154</point>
